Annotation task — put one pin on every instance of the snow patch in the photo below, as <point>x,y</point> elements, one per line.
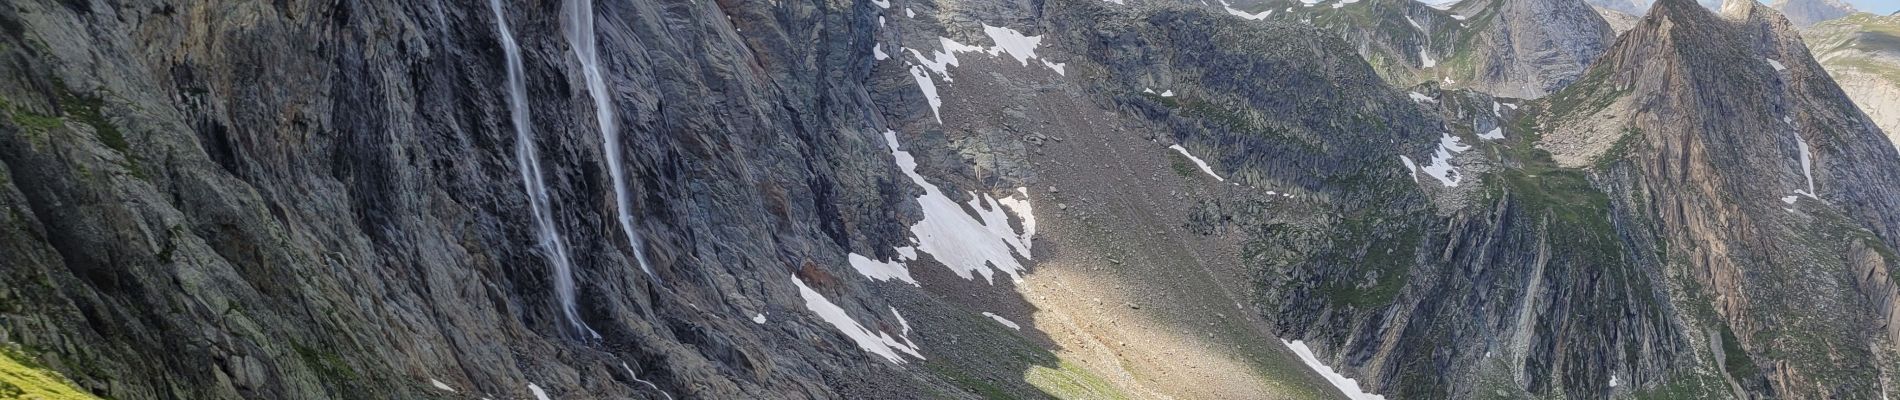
<point>758,318</point>
<point>1613,381</point>
<point>1807,165</point>
<point>440,385</point>
<point>1441,167</point>
<point>878,343</point>
<point>1410,166</point>
<point>1025,211</point>
<point>1008,41</point>
<point>1422,98</point>
<point>1243,14</point>
<point>881,270</point>
<point>1169,93</point>
<point>1198,162</point>
<point>1346,385</point>
<point>1060,68</point>
<point>906,326</point>
<point>1425,58</point>
<point>1493,134</point>
<point>1776,64</point>
<point>877,51</point>
<point>882,3</point>
<point>1005,321</point>
<point>970,246</point>
<point>1415,25</point>
<point>909,14</point>
<point>929,87</point>
<point>538,393</point>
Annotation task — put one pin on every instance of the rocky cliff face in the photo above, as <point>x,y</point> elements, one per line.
<point>905,198</point>
<point>1862,53</point>
<point>1520,49</point>
<point>1526,49</point>
<point>1621,237</point>
<point>1809,12</point>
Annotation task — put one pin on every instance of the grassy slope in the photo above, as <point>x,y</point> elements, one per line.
<point>21,378</point>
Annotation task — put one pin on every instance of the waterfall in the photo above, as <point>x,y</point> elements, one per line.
<point>528,161</point>
<point>580,34</point>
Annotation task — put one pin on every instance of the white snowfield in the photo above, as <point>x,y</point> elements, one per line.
<point>1441,167</point>
<point>1243,14</point>
<point>538,393</point>
<point>881,270</point>
<point>1008,42</point>
<point>1346,385</point>
<point>1493,134</point>
<point>1197,161</point>
<point>875,342</point>
<point>970,246</point>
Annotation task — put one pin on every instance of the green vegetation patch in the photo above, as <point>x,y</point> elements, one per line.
<point>21,378</point>
<point>1182,166</point>
<point>1735,359</point>
<point>1070,381</point>
<point>1391,255</point>
<point>329,364</point>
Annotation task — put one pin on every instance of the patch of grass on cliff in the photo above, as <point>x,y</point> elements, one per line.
<point>21,378</point>
<point>1685,386</point>
<point>82,108</point>
<point>1735,359</point>
<point>1236,119</point>
<point>328,364</point>
<point>1392,256</point>
<point>1585,96</point>
<point>1180,165</point>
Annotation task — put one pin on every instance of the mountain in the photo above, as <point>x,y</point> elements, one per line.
<point>1521,49</point>
<point>901,199</point>
<point>1613,239</point>
<point>1809,12</point>
<point>1862,53</point>
<point>1633,7</point>
<point>1620,21</point>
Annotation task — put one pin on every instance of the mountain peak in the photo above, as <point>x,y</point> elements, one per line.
<point>1809,12</point>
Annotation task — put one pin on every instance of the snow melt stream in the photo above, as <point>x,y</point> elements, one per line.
<point>580,35</point>
<point>528,163</point>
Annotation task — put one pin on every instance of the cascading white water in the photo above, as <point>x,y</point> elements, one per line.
<point>580,34</point>
<point>529,162</point>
